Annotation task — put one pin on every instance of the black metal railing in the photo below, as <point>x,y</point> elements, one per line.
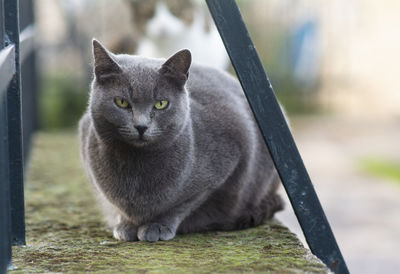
<point>28,75</point>
<point>15,49</point>
<point>276,133</point>
<point>7,72</point>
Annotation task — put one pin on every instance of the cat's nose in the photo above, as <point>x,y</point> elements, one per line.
<point>141,129</point>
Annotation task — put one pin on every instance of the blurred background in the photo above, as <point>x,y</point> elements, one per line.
<point>333,65</point>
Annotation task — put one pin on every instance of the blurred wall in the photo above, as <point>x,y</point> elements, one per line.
<point>337,56</point>
<point>347,50</point>
<point>361,52</point>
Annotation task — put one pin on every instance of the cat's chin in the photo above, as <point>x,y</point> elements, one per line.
<point>136,141</point>
<point>140,143</point>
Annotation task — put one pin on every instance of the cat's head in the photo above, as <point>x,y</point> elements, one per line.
<point>140,101</point>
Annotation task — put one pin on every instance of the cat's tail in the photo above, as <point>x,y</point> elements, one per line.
<point>256,215</point>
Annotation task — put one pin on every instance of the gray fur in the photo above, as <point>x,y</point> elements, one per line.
<point>203,164</point>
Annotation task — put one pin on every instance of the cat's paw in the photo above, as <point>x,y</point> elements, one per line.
<point>125,232</point>
<point>155,232</point>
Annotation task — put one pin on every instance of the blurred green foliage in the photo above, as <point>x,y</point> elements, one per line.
<point>62,101</point>
<point>381,168</point>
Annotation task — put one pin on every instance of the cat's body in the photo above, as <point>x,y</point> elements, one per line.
<point>204,165</point>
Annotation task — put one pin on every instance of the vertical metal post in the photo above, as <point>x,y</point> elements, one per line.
<point>28,78</point>
<point>1,23</point>
<point>16,169</point>
<point>276,133</point>
<point>5,226</point>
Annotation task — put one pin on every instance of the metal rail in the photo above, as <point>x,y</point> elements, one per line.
<point>15,49</point>
<point>14,102</point>
<point>7,71</point>
<point>28,75</point>
<point>276,133</point>
<point>7,68</point>
<point>5,228</point>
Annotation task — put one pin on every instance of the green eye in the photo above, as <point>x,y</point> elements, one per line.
<point>161,104</point>
<point>122,103</point>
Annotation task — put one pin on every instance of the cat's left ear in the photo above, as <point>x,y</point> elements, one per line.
<point>177,66</point>
<point>105,67</point>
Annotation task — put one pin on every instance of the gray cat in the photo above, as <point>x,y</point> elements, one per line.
<point>174,150</point>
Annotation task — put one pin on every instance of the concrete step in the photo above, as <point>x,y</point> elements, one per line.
<point>65,232</point>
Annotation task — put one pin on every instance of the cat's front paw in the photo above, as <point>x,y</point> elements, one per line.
<point>125,232</point>
<point>154,232</point>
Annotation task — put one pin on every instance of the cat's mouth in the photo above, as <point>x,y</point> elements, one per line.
<point>140,141</point>
<point>137,140</point>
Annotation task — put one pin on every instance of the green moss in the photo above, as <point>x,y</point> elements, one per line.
<point>65,232</point>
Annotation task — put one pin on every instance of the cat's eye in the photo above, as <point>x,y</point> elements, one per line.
<point>161,104</point>
<point>122,103</point>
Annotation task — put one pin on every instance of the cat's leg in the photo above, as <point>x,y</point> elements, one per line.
<point>159,231</point>
<point>164,227</point>
<point>124,230</point>
<point>213,215</point>
<point>254,215</point>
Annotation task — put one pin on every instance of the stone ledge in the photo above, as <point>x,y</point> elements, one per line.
<point>65,232</point>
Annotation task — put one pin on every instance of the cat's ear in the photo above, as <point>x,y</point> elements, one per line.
<point>177,66</point>
<point>105,67</point>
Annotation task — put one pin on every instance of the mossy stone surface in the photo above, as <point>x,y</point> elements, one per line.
<point>65,232</point>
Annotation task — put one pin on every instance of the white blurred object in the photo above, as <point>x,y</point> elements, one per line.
<point>164,24</point>
<point>166,34</point>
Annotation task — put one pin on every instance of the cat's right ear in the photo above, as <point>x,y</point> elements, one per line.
<point>177,67</point>
<point>105,67</point>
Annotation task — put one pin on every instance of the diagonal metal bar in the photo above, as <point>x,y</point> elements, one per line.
<point>16,169</point>
<point>276,133</point>
<point>7,68</point>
